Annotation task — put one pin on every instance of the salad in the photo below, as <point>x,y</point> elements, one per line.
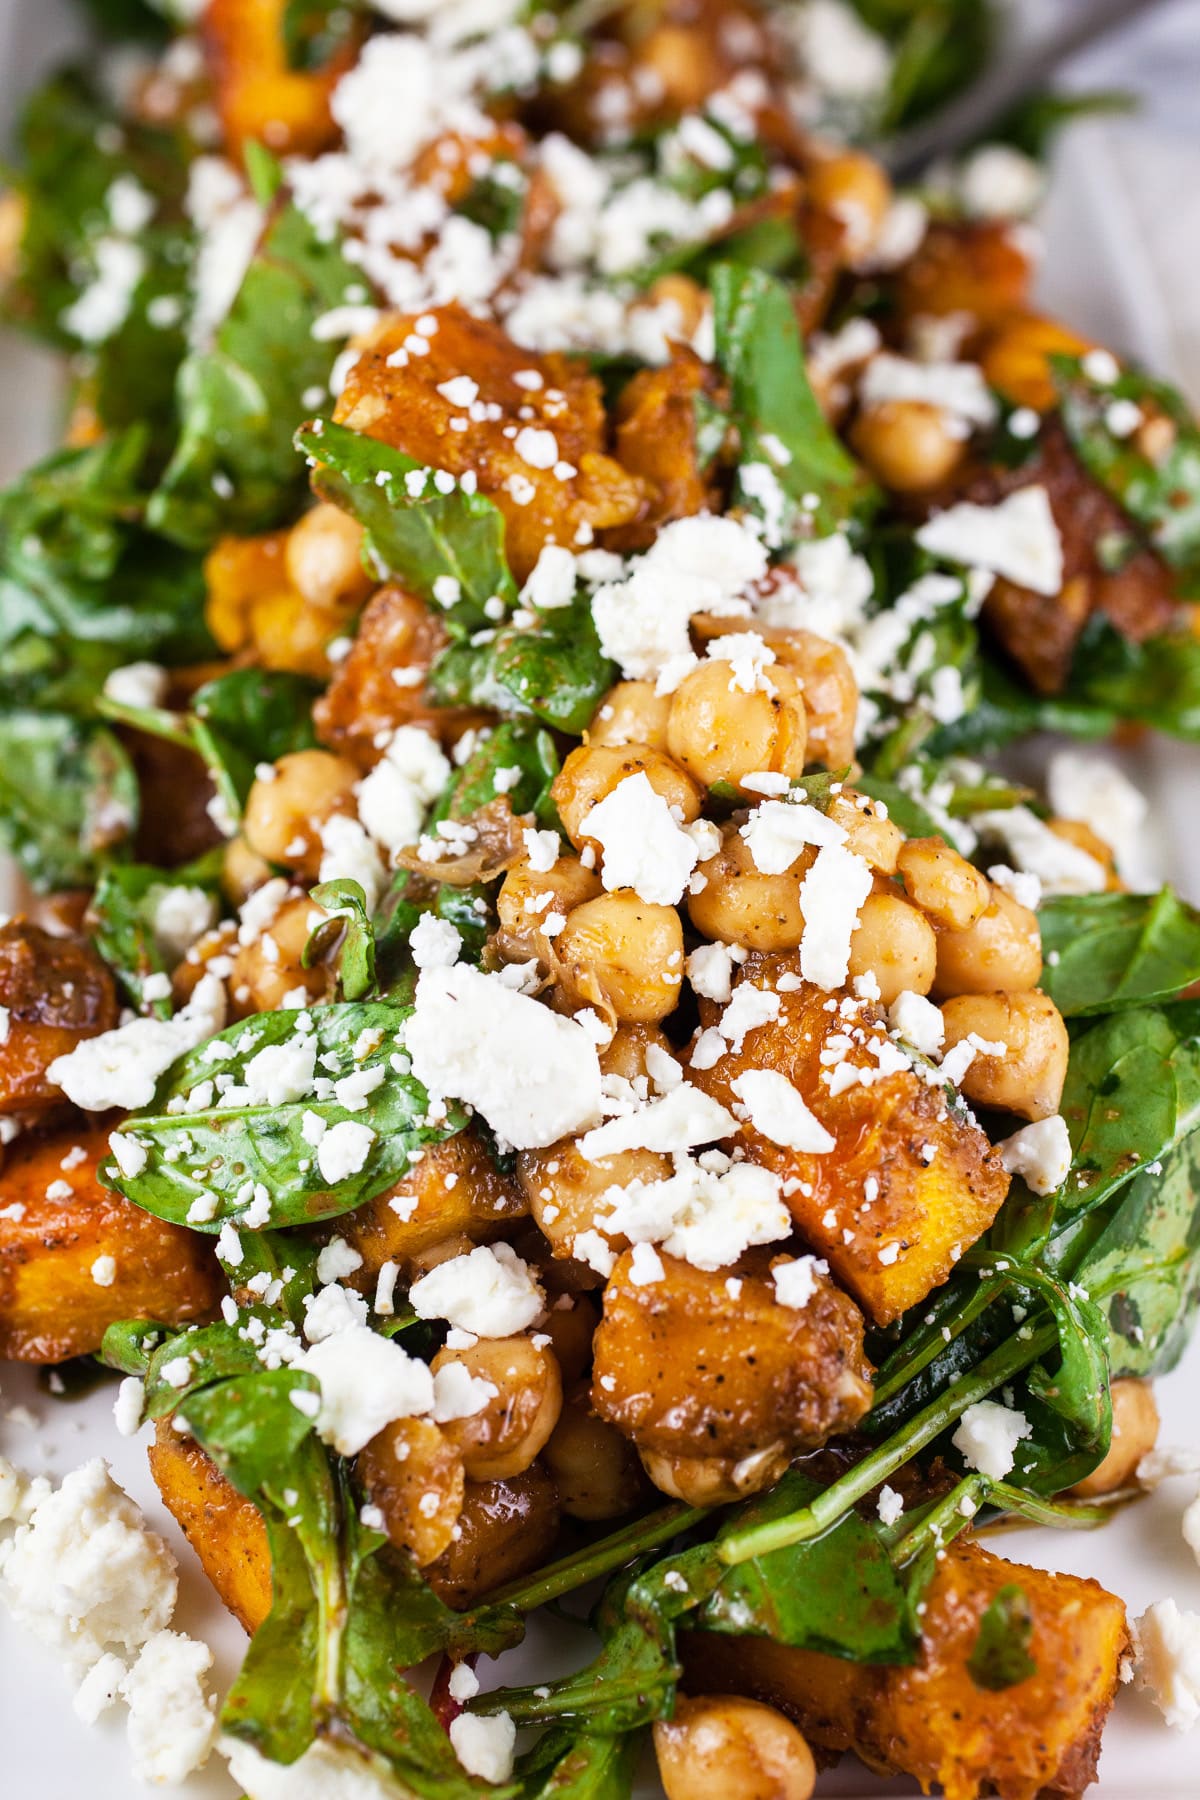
<point>545,1047</point>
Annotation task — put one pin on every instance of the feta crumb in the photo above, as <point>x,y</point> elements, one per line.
<point>343,1150</point>
<point>140,684</point>
<point>646,1266</point>
<point>1040,1153</point>
<point>99,1688</point>
<point>830,897</point>
<point>680,1119</point>
<point>1016,538</point>
<point>889,1505</point>
<point>172,1720</point>
<point>131,1155</point>
<point>780,1112</point>
<point>484,1746</point>
<point>777,832</point>
<point>457,1394</point>
<point>121,1068</point>
<point>129,1406</point>
<point>988,1435</point>
<point>644,849</point>
<point>104,1271</point>
<point>710,971</point>
<point>918,1021</point>
<point>796,1281</point>
<point>1166,1645</point>
<point>463,1683</point>
<point>366,1382</point>
<point>489,1291</point>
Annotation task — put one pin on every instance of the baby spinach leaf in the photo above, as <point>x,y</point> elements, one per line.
<point>198,1147</point>
<point>447,548</point>
<point>1000,1656</point>
<point>907,813</point>
<point>315,30</point>
<point>122,914</point>
<point>252,716</point>
<point>233,468</point>
<point>513,744</point>
<point>250,1425</point>
<point>68,797</point>
<point>1162,493</point>
<point>1108,952</point>
<point>347,903</point>
<point>570,1765</point>
<point>556,672</point>
<point>776,412</point>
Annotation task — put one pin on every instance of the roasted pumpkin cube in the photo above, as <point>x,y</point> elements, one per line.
<point>224,1529</point>
<point>910,1182</point>
<point>380,684</point>
<point>539,454</point>
<point>454,1187</point>
<point>56,991</point>
<point>980,269</point>
<point>933,1720</point>
<point>74,1257</point>
<point>657,441</point>
<point>696,1366</point>
<point>258,95</point>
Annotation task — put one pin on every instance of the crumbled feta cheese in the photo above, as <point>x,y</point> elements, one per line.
<point>457,1394</point>
<point>394,798</point>
<point>463,1684</point>
<point>349,853</point>
<point>534,1075</point>
<point>104,1271</point>
<point>172,1720</point>
<point>130,1153</point>
<point>85,1575</point>
<point>777,832</point>
<point>121,1068</point>
<point>701,564</point>
<point>796,1281</point>
<point>830,897</point>
<point>988,1435</point>
<point>279,1073</point>
<point>776,1109</point>
<point>918,1021</point>
<point>334,1308</point>
<point>841,55</point>
<point>957,388</point>
<point>1024,888</point>
<point>1061,867</point>
<point>710,971</point>
<point>644,849</point>
<point>543,848</point>
<point>484,1746</point>
<point>489,1291</point>
<point>1040,1153</point>
<point>366,1382</point>
<point>102,307</point>
<point>326,1771</point>
<point>552,582</point>
<point>1016,538</point>
<point>129,1406</point>
<point>1088,787</point>
<point>679,1120</point>
<point>99,1688</point>
<point>343,1150</point>
<point>140,684</point>
<point>1166,1646</point>
<point>889,1505</point>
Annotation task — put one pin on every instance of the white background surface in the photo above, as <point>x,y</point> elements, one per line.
<point>1123,236</point>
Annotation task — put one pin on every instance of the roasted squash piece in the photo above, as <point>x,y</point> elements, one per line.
<point>258,95</point>
<point>224,1529</point>
<point>74,1257</point>
<point>380,685</point>
<point>455,1187</point>
<point>932,1721</point>
<point>910,1183</point>
<point>656,440</point>
<point>505,1529</point>
<point>541,458</point>
<point>981,269</point>
<point>56,992</point>
<point>692,1367</point>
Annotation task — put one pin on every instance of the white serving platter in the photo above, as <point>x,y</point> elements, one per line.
<point>1101,272</point>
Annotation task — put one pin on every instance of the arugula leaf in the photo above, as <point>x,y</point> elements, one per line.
<point>68,797</point>
<point>233,468</point>
<point>122,912</point>
<point>556,672</point>
<point>227,1150</point>
<point>346,902</point>
<point>1108,952</point>
<point>1163,495</point>
<point>1000,1656</point>
<point>83,587</point>
<point>776,412</point>
<point>446,548</point>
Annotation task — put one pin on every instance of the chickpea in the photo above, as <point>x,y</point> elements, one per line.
<point>1028,1079</point>
<point>685,294</point>
<point>714,1480</point>
<point>269,969</point>
<point>242,871</point>
<point>506,1528</point>
<point>726,1748</point>
<point>186,976</point>
<point>1016,360</point>
<point>503,1438</point>
<point>626,1055</point>
<point>949,891</point>
<point>290,634</point>
<point>409,1460</point>
<point>830,693</point>
<point>565,1189</point>
<point>631,713</point>
<point>523,910</point>
<point>591,773</point>
<point>738,904</point>
<point>621,952</point>
<point>855,189</point>
<point>570,1325</point>
<point>596,1470</point>
<point>720,733</point>
<point>869,831</point>
<point>324,561</point>
<point>432,1256</point>
<point>1002,949</point>
<point>284,815</point>
<point>909,445</point>
<point>894,943</point>
<point>1134,1435</point>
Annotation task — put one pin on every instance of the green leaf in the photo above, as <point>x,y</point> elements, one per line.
<point>1155,683</point>
<point>1000,1656</point>
<point>314,31</point>
<point>513,744</point>
<point>556,673</point>
<point>252,716</point>
<point>239,402</point>
<point>228,1150</point>
<point>68,797</point>
<point>420,536</point>
<point>347,903</point>
<point>906,812</point>
<point>780,423</point>
<point>1109,952</point>
<point>122,913</point>
<point>1162,496</point>
<point>251,1426</point>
